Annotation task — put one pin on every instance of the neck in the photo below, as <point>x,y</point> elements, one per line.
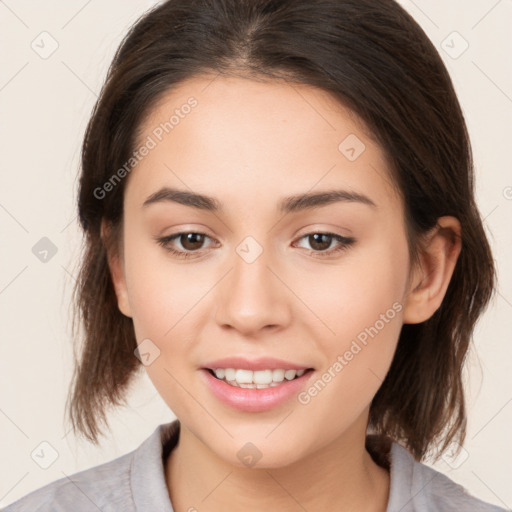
<point>342,476</point>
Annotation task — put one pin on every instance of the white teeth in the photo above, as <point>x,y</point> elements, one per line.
<point>258,379</point>
<point>262,377</point>
<point>243,376</point>
<point>278,375</point>
<point>290,374</point>
<point>230,374</point>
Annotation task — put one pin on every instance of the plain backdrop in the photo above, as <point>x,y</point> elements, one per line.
<point>45,103</point>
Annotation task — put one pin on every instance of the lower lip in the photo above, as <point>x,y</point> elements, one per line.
<point>255,400</point>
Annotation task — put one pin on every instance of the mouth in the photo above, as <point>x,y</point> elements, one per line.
<point>255,385</point>
<point>257,379</point>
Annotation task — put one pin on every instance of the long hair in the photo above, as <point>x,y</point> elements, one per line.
<point>375,59</point>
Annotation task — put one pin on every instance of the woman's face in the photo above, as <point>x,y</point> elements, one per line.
<point>262,282</point>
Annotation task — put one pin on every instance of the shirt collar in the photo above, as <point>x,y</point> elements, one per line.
<point>149,487</point>
<point>147,480</point>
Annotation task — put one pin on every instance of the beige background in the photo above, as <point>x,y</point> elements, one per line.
<point>45,104</point>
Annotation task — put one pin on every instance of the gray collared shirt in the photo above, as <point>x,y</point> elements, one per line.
<point>135,482</point>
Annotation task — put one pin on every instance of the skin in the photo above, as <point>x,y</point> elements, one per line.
<point>249,144</point>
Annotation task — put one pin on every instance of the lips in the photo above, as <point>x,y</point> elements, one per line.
<point>273,381</point>
<point>258,398</point>
<point>262,363</point>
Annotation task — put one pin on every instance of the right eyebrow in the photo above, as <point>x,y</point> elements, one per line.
<point>184,197</point>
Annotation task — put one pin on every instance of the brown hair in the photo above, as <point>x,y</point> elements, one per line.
<point>375,59</point>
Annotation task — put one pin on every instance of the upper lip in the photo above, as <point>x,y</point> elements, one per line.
<point>261,363</point>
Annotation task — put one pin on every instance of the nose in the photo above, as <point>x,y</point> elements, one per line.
<point>253,297</point>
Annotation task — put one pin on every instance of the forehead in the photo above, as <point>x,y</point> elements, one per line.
<point>239,139</point>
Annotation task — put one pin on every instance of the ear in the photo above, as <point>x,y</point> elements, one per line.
<point>116,267</point>
<point>431,278</point>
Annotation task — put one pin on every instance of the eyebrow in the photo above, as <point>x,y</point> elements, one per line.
<point>288,204</point>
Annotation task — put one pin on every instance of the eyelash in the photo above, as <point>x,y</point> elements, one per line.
<point>345,243</point>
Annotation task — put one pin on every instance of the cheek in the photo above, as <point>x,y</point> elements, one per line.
<point>361,309</point>
<point>364,287</point>
<point>160,293</point>
<point>163,299</point>
<point>168,301</point>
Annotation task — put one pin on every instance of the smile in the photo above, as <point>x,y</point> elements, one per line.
<point>255,390</point>
<point>258,379</point>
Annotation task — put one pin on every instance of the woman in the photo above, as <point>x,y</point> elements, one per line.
<point>281,229</point>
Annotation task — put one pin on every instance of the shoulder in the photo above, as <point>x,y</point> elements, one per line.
<point>105,487</point>
<point>134,481</point>
<point>416,487</point>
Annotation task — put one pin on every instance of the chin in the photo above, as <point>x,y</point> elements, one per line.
<point>259,452</point>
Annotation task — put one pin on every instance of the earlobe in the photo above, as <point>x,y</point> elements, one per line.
<point>116,272</point>
<point>430,281</point>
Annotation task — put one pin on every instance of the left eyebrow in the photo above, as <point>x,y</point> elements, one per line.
<point>315,200</point>
<point>288,204</point>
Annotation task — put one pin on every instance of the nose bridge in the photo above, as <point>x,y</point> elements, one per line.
<point>252,297</point>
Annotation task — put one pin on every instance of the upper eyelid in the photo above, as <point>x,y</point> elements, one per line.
<point>176,236</point>
<point>310,230</point>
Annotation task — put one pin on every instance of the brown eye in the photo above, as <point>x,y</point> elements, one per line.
<point>320,241</point>
<point>191,241</point>
<point>185,244</point>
